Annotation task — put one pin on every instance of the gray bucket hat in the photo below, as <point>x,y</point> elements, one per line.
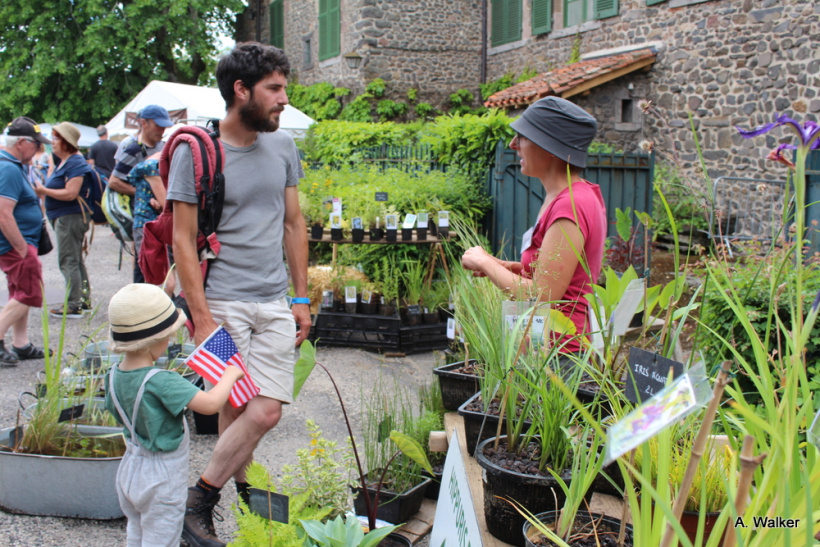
<point>560,127</point>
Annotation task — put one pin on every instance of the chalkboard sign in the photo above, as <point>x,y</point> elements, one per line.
<point>381,196</point>
<point>647,374</point>
<point>269,505</point>
<point>70,413</point>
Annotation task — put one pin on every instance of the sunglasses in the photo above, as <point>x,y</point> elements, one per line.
<point>37,143</point>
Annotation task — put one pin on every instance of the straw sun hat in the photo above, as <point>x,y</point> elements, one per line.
<point>140,315</point>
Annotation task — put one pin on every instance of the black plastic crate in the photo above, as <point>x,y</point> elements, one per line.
<point>364,331</point>
<point>418,338</point>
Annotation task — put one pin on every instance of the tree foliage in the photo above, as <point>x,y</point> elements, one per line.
<point>82,60</point>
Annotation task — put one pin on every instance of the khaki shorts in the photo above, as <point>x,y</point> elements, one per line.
<point>265,334</point>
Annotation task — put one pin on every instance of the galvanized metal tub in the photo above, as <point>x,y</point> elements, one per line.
<point>55,486</point>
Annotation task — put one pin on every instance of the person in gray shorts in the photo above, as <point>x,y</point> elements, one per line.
<point>247,282</point>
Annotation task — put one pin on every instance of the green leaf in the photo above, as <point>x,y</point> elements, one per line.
<point>373,537</point>
<point>412,449</point>
<point>304,366</point>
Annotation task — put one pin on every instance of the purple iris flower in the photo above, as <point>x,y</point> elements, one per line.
<point>808,132</point>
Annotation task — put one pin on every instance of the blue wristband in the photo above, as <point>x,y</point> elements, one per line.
<point>300,300</point>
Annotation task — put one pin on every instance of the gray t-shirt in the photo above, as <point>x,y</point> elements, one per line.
<point>250,265</point>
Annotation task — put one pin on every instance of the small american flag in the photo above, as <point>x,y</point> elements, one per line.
<point>216,354</point>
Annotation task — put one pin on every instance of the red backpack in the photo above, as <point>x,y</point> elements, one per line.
<point>210,191</point>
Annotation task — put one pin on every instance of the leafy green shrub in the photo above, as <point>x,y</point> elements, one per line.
<point>388,109</point>
<point>358,110</point>
<point>412,94</point>
<point>461,102</point>
<point>423,110</point>
<point>495,86</point>
<point>319,101</point>
<point>527,74</point>
<point>376,88</point>
<point>334,142</point>
<point>468,141</point>
<point>754,279</point>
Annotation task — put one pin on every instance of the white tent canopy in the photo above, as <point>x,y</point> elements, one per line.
<point>194,104</point>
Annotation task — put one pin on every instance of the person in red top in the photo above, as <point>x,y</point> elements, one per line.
<point>562,254</point>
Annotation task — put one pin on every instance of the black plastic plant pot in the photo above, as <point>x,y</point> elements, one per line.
<point>335,234</point>
<point>369,309</point>
<point>407,234</point>
<point>422,234</point>
<point>376,234</point>
<point>357,235</point>
<point>317,231</point>
<point>393,508</point>
<point>435,484</point>
<point>535,493</point>
<point>388,309</point>
<point>432,227</point>
<point>411,315</point>
<point>479,426</point>
<point>431,318</point>
<point>396,540</point>
<point>443,232</point>
<point>392,235</point>
<point>604,525</point>
<point>456,387</point>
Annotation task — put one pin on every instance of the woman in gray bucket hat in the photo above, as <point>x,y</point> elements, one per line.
<point>562,253</point>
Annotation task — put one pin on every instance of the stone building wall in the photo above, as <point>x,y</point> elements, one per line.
<point>430,45</point>
<point>725,62</point>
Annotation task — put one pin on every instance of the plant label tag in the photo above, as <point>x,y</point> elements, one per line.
<point>269,505</point>
<point>357,223</point>
<point>384,428</point>
<point>337,206</point>
<point>444,219</point>
<point>381,196</point>
<point>414,310</point>
<point>350,295</point>
<point>367,296</point>
<point>327,299</point>
<point>813,434</point>
<point>391,222</point>
<point>336,220</point>
<point>451,328</point>
<point>647,374</point>
<point>626,308</point>
<point>423,220</point>
<point>70,413</point>
<point>673,403</point>
<point>409,221</point>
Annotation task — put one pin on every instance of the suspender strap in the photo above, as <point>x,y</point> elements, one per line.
<point>130,423</point>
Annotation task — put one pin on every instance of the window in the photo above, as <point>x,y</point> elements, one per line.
<point>627,110</point>
<point>307,52</point>
<point>506,22</point>
<point>581,11</point>
<point>329,29</point>
<point>541,16</point>
<point>276,11</point>
<point>653,2</point>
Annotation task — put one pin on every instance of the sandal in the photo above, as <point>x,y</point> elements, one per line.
<point>30,352</point>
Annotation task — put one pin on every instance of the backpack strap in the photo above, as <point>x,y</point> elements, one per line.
<point>207,155</point>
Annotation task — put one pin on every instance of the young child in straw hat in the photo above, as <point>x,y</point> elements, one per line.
<point>149,402</point>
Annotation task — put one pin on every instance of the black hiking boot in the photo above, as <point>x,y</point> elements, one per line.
<point>198,527</point>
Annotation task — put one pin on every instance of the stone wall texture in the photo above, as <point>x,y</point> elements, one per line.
<point>722,62</point>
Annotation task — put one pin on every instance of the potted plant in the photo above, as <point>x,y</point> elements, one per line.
<point>434,297</point>
<point>406,445</point>
<point>369,299</point>
<point>458,380</point>
<point>352,292</point>
<point>315,216</point>
<point>413,273</point>
<point>400,480</point>
<point>53,467</point>
<point>357,230</point>
<point>389,280</point>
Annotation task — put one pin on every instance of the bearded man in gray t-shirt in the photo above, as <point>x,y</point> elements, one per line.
<point>248,280</point>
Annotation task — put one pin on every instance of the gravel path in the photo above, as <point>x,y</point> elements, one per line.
<point>354,370</point>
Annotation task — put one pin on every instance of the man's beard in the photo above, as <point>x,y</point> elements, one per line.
<point>255,119</point>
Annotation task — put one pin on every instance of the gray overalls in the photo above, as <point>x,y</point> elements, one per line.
<point>152,486</point>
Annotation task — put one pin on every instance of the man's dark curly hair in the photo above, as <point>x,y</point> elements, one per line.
<point>249,62</point>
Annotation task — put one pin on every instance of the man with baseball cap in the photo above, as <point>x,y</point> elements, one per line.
<point>21,221</point>
<point>153,120</point>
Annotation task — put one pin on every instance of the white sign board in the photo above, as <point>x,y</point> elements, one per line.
<point>456,524</point>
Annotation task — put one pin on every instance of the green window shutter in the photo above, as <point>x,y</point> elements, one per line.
<point>605,8</point>
<point>653,2</point>
<point>514,9</point>
<point>335,22</point>
<point>277,23</point>
<point>541,16</point>
<point>506,22</point>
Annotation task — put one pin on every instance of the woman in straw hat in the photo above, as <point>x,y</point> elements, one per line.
<point>68,216</point>
<point>149,402</point>
<point>562,253</point>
